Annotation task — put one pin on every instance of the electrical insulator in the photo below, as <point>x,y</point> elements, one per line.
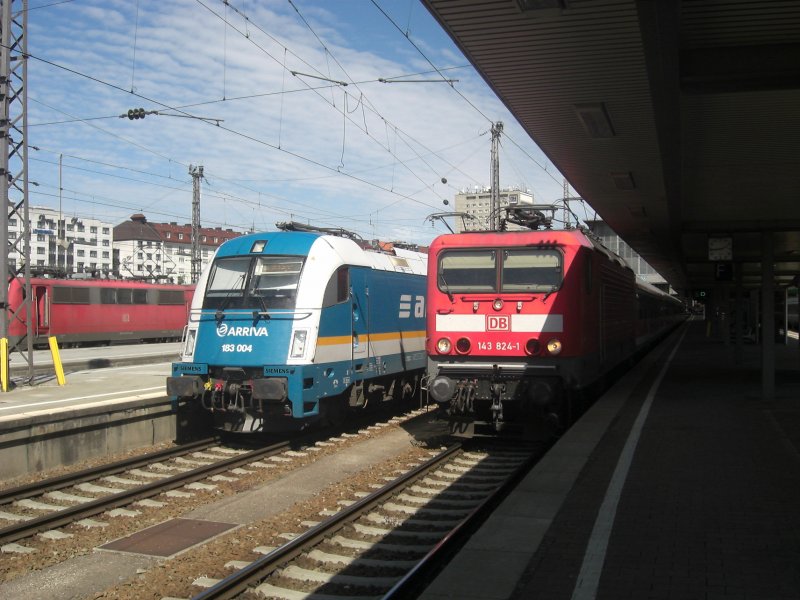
<point>136,113</point>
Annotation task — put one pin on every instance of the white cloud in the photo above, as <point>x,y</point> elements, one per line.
<point>287,152</point>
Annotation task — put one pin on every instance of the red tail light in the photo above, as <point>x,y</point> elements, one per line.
<point>463,345</point>
<point>532,347</point>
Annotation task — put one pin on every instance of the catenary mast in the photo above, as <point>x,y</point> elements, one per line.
<point>14,166</point>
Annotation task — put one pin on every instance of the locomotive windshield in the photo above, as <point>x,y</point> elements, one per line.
<point>518,270</point>
<point>260,282</point>
<point>530,270</point>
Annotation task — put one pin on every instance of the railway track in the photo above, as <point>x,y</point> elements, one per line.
<point>84,494</point>
<point>382,545</point>
<point>57,502</point>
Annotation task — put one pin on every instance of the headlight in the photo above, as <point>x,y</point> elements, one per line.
<point>191,337</point>
<point>298,343</point>
<point>554,346</point>
<point>463,345</point>
<point>497,304</point>
<point>443,346</point>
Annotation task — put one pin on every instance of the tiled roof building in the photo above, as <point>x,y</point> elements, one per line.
<point>162,251</point>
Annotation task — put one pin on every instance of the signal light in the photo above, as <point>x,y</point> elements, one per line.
<point>443,346</point>
<point>532,347</point>
<point>463,345</point>
<point>136,113</point>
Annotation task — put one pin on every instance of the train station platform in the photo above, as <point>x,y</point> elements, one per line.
<point>113,400</point>
<point>681,482</point>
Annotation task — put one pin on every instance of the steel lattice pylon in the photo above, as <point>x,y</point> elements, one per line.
<point>14,167</point>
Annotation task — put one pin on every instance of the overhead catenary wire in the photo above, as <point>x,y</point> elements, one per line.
<point>402,138</point>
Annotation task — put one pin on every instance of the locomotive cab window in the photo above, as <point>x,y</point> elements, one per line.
<point>527,270</point>
<point>338,288</point>
<point>468,271</point>
<point>275,279</point>
<point>260,282</point>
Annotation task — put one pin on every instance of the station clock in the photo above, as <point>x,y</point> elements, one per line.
<point>720,248</point>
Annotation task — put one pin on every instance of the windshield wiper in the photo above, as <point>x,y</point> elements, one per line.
<point>220,314</point>
<point>258,314</point>
<point>550,291</point>
<point>446,288</point>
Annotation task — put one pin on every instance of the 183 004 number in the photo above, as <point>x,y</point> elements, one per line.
<point>237,347</point>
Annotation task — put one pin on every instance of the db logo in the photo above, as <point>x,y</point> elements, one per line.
<point>498,323</point>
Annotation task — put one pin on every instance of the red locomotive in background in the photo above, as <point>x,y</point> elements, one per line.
<point>98,311</point>
<point>521,323</point>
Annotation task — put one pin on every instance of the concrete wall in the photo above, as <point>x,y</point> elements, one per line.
<point>37,443</point>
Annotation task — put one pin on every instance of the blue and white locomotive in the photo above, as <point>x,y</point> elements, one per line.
<point>291,326</point>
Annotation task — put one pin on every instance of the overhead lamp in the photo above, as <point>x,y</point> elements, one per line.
<point>595,120</point>
<point>623,180</point>
<point>526,5</point>
<point>637,211</point>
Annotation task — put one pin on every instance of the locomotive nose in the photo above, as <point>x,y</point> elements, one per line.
<point>442,389</point>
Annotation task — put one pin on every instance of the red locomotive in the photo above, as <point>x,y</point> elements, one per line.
<point>520,324</point>
<point>98,311</point>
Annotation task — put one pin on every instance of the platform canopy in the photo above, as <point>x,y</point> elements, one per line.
<point>678,121</point>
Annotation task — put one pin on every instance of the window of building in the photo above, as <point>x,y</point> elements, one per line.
<point>205,238</point>
<point>12,222</point>
<point>81,253</point>
<point>93,253</point>
<point>70,227</point>
<point>216,240</point>
<point>140,255</point>
<point>40,251</point>
<point>39,237</point>
<point>40,263</point>
<point>105,254</point>
<point>106,231</point>
<point>93,229</point>
<point>12,235</point>
<point>106,243</point>
<point>168,235</point>
<point>180,236</point>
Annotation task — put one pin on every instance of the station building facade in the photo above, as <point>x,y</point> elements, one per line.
<point>73,246</point>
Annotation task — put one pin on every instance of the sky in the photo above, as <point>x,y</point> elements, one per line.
<point>253,91</point>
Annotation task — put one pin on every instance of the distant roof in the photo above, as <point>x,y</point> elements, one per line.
<point>139,228</point>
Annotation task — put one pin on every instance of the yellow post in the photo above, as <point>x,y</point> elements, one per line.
<point>56,359</point>
<point>4,363</point>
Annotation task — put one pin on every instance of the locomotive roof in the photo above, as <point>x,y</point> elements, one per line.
<point>539,237</point>
<point>93,282</point>
<point>482,239</point>
<point>297,243</point>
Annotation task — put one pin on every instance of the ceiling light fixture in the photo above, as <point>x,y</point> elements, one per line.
<point>595,120</point>
<point>623,180</point>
